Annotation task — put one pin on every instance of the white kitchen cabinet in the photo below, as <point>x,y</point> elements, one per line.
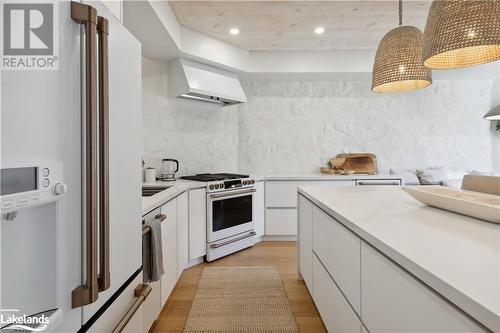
<point>281,221</point>
<point>305,224</point>
<point>169,249</point>
<point>386,287</point>
<point>282,194</point>
<point>151,306</point>
<point>115,7</point>
<point>339,251</point>
<point>332,183</point>
<point>197,223</point>
<point>114,314</point>
<point>259,209</point>
<point>183,231</point>
<point>335,311</point>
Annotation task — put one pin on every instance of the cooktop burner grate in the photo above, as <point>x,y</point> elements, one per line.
<point>212,177</point>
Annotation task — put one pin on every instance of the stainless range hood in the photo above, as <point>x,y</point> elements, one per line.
<point>193,80</point>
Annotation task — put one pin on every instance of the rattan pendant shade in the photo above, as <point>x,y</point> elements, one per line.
<point>398,62</point>
<point>462,33</point>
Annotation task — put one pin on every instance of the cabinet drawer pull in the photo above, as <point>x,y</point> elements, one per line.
<point>142,291</point>
<point>161,217</point>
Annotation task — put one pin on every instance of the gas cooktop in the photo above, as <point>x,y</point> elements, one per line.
<point>212,177</point>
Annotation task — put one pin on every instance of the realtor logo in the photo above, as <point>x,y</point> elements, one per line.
<point>29,36</point>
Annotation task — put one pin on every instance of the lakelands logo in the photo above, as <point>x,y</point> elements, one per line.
<point>10,319</point>
<point>30,38</point>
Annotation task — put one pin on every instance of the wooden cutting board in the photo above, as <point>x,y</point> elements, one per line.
<point>361,163</point>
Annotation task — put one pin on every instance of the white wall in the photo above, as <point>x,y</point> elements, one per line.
<point>202,136</point>
<point>288,126</point>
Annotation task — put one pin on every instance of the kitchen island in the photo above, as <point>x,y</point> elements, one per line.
<point>374,258</point>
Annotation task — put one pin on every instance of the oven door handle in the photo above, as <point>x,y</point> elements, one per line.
<point>231,193</point>
<point>217,245</point>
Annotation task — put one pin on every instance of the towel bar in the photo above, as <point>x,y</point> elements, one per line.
<point>160,217</point>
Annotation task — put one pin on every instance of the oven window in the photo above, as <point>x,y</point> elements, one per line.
<point>228,213</point>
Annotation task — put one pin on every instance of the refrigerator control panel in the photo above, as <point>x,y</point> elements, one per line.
<point>24,185</point>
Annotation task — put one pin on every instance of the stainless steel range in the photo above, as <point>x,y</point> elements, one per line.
<point>230,225</point>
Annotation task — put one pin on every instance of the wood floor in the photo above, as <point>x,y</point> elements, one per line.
<point>280,254</point>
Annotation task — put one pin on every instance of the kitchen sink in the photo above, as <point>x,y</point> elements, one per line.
<point>148,191</point>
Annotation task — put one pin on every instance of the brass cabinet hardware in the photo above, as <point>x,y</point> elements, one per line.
<point>88,291</point>
<point>104,279</point>
<point>142,291</point>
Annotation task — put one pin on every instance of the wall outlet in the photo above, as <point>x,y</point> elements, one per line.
<point>323,160</point>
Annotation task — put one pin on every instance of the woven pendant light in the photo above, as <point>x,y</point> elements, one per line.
<point>398,62</point>
<point>462,33</point>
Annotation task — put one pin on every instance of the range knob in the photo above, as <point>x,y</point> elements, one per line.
<point>244,182</point>
<point>211,186</point>
<point>60,188</point>
<point>221,185</point>
<point>252,181</point>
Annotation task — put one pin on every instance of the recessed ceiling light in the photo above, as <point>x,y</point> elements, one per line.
<point>319,30</point>
<point>234,31</point>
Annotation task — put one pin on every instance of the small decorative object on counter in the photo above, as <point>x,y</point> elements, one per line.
<point>150,175</point>
<point>352,163</point>
<point>475,204</point>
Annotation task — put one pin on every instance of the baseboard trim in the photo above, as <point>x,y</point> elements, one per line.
<point>194,262</point>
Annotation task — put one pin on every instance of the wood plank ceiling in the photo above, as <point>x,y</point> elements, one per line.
<point>289,25</point>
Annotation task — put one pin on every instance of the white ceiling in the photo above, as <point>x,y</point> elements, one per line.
<point>289,25</point>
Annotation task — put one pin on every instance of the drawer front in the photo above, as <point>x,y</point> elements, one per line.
<point>283,193</point>
<point>281,222</point>
<point>339,251</point>
<point>305,240</point>
<point>386,287</point>
<point>336,313</point>
<point>114,314</point>
<point>151,306</point>
<point>332,183</point>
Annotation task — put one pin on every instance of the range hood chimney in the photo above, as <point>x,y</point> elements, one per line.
<point>193,80</point>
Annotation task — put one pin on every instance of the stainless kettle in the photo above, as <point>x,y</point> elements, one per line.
<point>168,169</point>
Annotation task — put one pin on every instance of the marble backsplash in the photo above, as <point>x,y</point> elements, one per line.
<point>290,126</point>
<point>202,136</point>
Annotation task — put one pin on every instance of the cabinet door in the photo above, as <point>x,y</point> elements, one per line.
<point>183,231</point>
<point>281,221</point>
<point>197,223</point>
<point>394,301</point>
<point>169,248</point>
<point>282,194</point>
<point>151,306</point>
<point>335,311</point>
<point>258,209</point>
<point>305,240</point>
<point>339,251</point>
<point>116,7</point>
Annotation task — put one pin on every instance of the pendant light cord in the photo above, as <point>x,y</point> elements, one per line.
<point>400,12</point>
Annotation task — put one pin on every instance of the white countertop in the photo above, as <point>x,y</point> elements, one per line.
<point>455,255</point>
<point>177,187</point>
<point>324,176</point>
<point>180,185</point>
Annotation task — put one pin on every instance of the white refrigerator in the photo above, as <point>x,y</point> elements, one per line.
<point>76,257</point>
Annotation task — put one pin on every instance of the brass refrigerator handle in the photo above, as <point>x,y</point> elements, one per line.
<point>87,292</point>
<point>142,291</point>
<point>104,279</point>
